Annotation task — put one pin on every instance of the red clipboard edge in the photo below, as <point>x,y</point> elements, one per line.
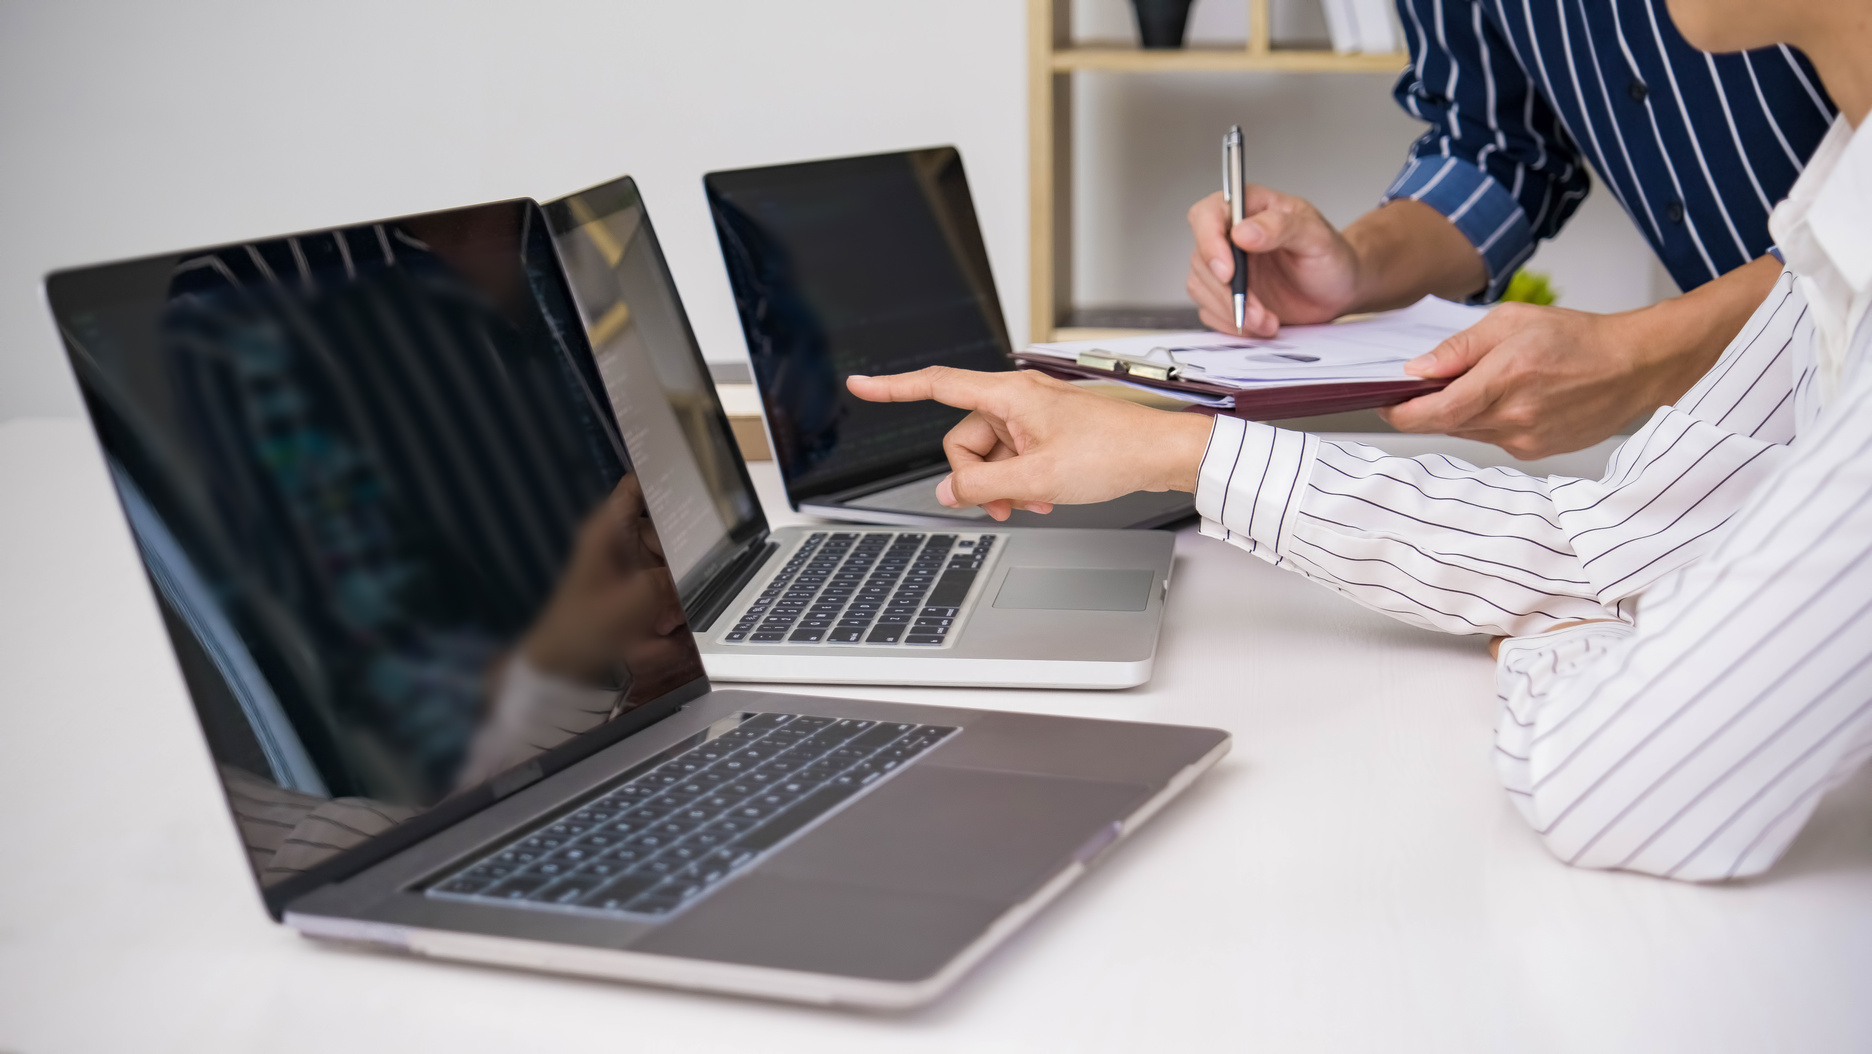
<point>1268,404</point>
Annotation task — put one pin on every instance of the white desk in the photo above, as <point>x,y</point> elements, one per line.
<point>1351,878</point>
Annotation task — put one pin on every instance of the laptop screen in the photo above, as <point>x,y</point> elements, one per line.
<point>693,477</point>
<point>391,525</point>
<point>860,265</point>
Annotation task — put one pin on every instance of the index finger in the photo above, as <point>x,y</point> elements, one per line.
<point>1209,223</point>
<point>962,389</point>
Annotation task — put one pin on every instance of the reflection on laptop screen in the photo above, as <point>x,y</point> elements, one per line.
<point>862,265</point>
<point>393,531</point>
<point>654,372</point>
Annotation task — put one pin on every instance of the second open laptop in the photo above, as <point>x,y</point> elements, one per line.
<point>975,603</point>
<point>873,265</point>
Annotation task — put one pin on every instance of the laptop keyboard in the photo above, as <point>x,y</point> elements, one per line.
<point>871,587</point>
<point>703,811</point>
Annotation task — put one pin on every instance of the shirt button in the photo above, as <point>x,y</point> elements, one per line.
<point>1637,91</point>
<point>1675,211</point>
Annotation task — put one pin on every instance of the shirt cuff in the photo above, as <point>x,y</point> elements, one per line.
<point>1251,482</point>
<point>1481,209</point>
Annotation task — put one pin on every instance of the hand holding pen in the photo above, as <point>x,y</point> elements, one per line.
<point>1262,259</point>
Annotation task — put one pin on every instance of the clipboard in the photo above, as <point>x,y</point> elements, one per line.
<point>1252,404</point>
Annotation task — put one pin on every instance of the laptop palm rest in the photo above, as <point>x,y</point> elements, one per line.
<point>920,857</point>
<point>970,833</point>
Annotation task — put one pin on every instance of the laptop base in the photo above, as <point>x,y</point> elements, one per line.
<point>1143,509</point>
<point>885,905</point>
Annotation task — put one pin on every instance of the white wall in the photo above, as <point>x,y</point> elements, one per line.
<point>128,129</point>
<point>135,128</point>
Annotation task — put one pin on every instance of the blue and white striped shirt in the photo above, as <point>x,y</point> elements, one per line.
<point>1520,95</point>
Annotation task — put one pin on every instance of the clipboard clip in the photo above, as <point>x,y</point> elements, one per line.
<point>1142,367</point>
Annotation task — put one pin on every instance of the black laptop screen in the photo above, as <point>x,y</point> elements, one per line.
<point>861,265</point>
<point>693,477</point>
<point>390,522</point>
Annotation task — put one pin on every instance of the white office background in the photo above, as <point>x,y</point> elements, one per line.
<point>137,128</point>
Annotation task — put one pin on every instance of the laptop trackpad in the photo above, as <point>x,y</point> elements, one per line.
<point>971,833</point>
<point>1075,589</point>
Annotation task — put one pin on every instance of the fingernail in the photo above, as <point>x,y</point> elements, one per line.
<point>857,376</point>
<point>1222,269</point>
<point>945,491</point>
<point>1420,364</point>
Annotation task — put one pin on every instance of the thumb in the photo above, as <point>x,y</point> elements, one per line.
<point>1457,353</point>
<point>981,482</point>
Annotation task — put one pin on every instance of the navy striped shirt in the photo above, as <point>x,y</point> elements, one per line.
<point>1521,95</point>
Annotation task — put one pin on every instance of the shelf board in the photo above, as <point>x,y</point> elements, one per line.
<point>1126,59</point>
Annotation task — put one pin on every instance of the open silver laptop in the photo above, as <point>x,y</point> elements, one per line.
<point>972,603</point>
<point>430,632</point>
<point>873,265</point>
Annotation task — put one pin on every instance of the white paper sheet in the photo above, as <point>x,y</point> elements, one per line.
<point>1373,349</point>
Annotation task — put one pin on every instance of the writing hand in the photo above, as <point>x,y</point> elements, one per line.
<point>1301,268</point>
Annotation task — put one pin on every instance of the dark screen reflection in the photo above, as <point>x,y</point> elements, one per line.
<point>695,483</point>
<point>394,532</point>
<point>867,265</point>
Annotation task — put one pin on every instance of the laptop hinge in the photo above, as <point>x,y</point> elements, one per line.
<point>713,600</point>
<point>896,479</point>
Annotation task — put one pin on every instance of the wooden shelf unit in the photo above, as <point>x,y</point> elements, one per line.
<point>1052,60</point>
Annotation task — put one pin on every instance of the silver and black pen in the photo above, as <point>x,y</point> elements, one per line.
<point>1232,181</point>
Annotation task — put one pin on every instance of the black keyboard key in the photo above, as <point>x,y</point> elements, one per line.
<point>620,893</point>
<point>797,816</point>
<point>886,635</point>
<point>879,736</point>
<point>765,637</point>
<point>808,636</point>
<point>519,887</point>
<point>571,890</point>
<point>844,635</point>
<point>952,589</point>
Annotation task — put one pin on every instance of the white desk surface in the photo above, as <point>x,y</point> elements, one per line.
<point>1350,878</point>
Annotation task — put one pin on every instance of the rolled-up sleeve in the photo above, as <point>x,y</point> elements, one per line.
<point>1495,159</point>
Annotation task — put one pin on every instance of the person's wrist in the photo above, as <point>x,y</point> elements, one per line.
<point>1368,278</point>
<point>1181,449</point>
<point>1664,343</point>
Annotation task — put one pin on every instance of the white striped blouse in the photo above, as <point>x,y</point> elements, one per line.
<point>1691,742</point>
